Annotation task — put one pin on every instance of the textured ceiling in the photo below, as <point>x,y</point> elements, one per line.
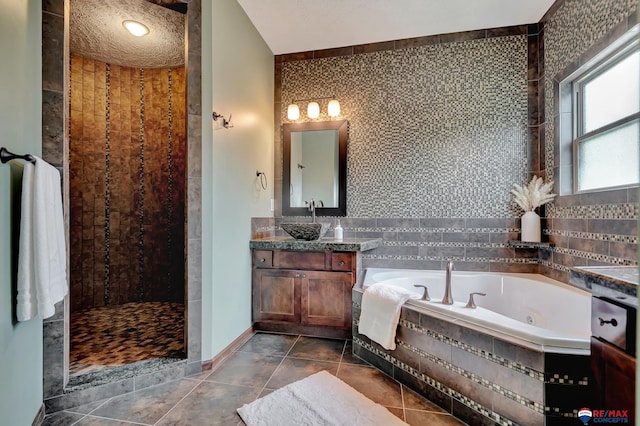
<point>290,26</point>
<point>96,32</point>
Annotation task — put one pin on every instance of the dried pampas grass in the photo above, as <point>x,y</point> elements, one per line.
<point>534,194</point>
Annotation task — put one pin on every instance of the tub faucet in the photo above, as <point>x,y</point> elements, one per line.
<point>448,299</point>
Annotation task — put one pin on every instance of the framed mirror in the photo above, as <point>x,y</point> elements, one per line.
<point>315,167</point>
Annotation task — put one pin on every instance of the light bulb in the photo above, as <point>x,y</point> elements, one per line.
<point>313,110</point>
<point>136,28</point>
<point>334,108</point>
<point>293,112</point>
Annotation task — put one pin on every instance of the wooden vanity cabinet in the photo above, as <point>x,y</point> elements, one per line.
<point>306,292</point>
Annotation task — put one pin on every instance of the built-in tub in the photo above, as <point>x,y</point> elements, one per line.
<point>520,357</point>
<point>528,309</point>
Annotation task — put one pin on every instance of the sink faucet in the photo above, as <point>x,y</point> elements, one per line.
<point>312,208</point>
<point>448,299</point>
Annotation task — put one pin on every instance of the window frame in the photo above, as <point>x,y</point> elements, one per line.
<point>577,82</point>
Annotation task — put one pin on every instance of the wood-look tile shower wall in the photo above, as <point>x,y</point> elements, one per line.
<point>127,183</point>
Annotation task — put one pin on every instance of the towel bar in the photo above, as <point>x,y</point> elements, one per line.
<point>6,155</point>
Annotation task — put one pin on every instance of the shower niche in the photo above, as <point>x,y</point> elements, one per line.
<point>127,186</point>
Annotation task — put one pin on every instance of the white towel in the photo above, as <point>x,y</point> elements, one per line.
<point>381,304</point>
<point>42,257</point>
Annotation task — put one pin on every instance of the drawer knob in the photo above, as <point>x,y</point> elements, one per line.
<point>341,263</point>
<point>612,321</point>
<point>262,259</point>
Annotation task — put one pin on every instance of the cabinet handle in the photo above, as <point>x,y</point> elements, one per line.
<point>262,259</point>
<point>341,263</point>
<point>303,275</point>
<point>612,321</point>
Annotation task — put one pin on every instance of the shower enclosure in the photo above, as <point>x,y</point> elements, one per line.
<point>127,160</point>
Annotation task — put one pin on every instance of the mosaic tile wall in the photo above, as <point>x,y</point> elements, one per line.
<point>597,228</point>
<point>432,177</point>
<point>127,186</point>
<point>437,130</point>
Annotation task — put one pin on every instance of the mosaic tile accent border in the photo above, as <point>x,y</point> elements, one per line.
<point>107,189</point>
<point>606,211</point>
<point>170,178</point>
<point>141,192</point>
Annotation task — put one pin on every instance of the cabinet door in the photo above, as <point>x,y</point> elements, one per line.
<point>614,373</point>
<point>326,298</point>
<point>276,295</point>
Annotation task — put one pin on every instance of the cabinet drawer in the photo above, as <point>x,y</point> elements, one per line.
<point>613,323</point>
<point>310,260</point>
<point>341,261</point>
<point>263,258</point>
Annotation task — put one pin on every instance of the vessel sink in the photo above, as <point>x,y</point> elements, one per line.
<point>305,231</point>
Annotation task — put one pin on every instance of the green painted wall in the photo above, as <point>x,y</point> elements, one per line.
<point>20,132</point>
<point>242,85</point>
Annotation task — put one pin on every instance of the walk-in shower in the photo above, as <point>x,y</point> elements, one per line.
<point>127,167</point>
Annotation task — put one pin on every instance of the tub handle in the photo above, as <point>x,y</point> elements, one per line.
<point>472,303</point>
<point>425,293</point>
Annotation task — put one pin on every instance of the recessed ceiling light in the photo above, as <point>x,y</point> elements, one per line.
<point>136,28</point>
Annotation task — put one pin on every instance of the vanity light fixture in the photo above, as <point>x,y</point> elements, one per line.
<point>313,108</point>
<point>136,28</point>
<point>333,109</point>
<point>293,112</point>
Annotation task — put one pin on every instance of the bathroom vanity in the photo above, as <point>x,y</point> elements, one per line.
<point>304,287</point>
<point>613,333</point>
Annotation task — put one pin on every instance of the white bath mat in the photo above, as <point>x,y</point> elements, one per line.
<point>318,400</point>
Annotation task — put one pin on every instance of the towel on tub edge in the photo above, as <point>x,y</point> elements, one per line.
<point>42,257</point>
<point>380,313</point>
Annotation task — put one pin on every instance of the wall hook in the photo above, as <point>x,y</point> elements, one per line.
<point>225,123</point>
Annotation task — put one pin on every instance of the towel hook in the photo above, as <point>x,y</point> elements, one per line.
<point>263,179</point>
<point>6,155</point>
<point>225,123</point>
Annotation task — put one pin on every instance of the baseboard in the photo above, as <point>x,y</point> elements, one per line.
<point>37,421</point>
<point>223,354</point>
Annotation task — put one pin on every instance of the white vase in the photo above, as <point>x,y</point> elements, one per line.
<point>530,227</point>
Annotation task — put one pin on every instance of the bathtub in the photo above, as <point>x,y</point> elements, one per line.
<point>529,310</point>
<point>510,361</point>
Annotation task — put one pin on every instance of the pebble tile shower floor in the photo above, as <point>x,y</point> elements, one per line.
<point>113,336</point>
<point>264,363</point>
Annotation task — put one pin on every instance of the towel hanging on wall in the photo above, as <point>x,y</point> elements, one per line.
<point>42,256</point>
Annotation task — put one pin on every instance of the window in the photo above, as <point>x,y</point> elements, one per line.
<point>606,122</point>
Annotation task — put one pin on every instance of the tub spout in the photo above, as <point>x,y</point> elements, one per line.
<point>448,299</point>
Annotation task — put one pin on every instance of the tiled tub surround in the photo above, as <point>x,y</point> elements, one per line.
<point>479,378</point>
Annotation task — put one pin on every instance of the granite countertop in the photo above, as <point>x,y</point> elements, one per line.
<point>288,243</point>
<point>612,281</point>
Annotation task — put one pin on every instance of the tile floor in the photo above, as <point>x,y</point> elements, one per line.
<point>112,336</point>
<point>264,363</point>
